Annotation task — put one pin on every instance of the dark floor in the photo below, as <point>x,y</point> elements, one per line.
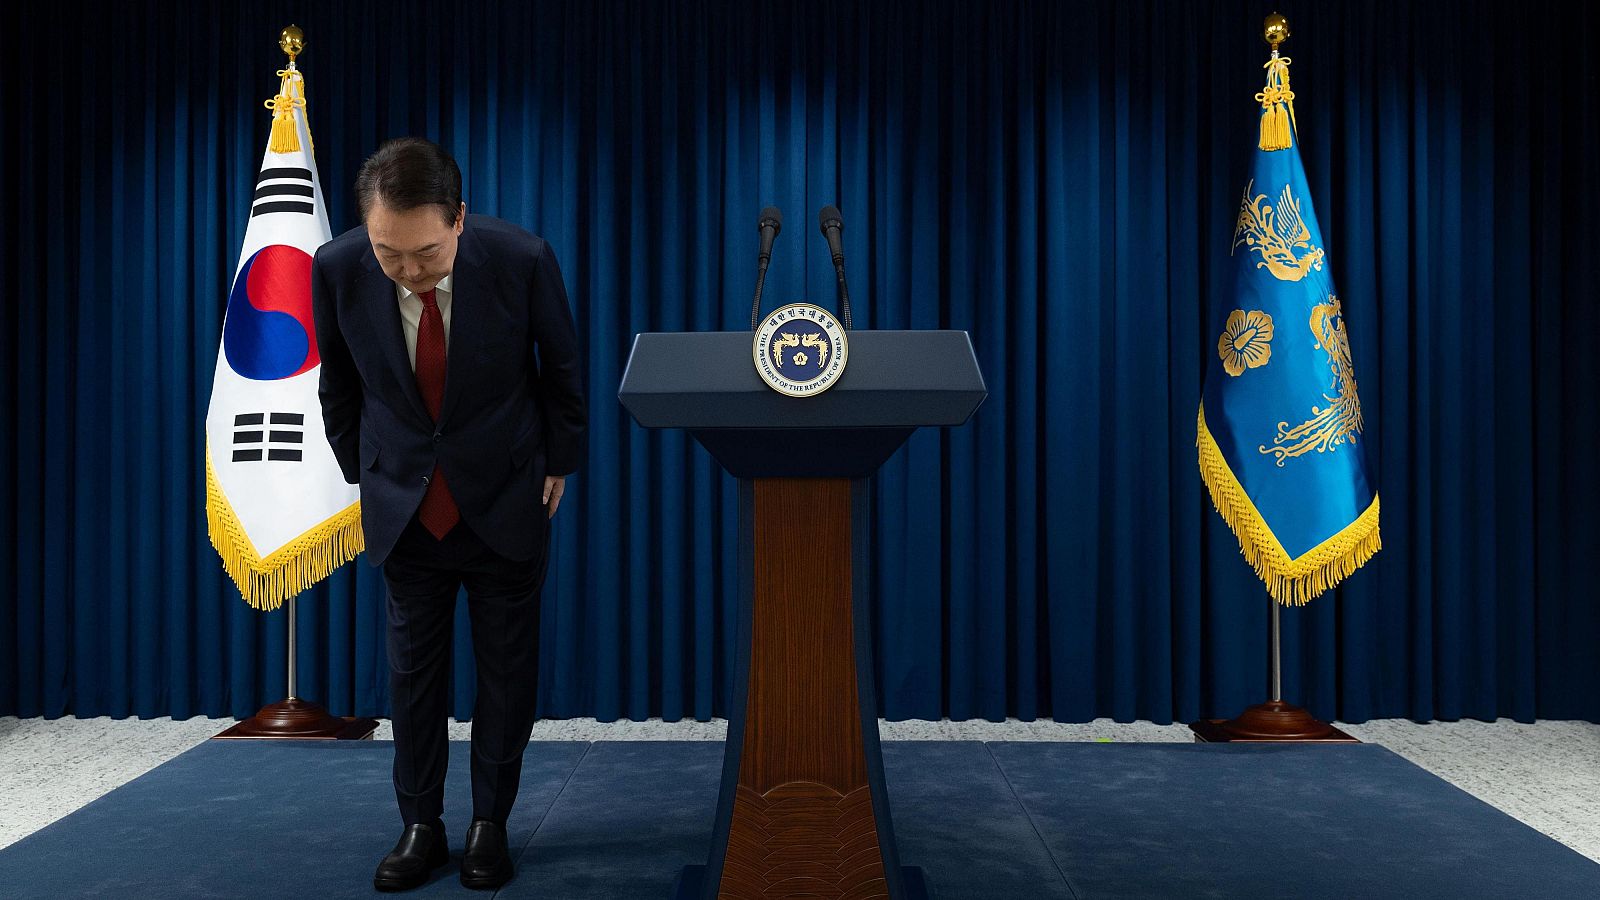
<point>992,820</point>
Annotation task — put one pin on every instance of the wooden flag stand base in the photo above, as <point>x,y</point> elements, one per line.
<point>1274,721</point>
<point>296,719</point>
<point>1270,721</point>
<point>300,720</point>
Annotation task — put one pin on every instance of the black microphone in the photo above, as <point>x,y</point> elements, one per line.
<point>832,228</point>
<point>770,223</point>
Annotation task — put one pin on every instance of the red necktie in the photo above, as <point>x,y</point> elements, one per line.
<point>438,512</point>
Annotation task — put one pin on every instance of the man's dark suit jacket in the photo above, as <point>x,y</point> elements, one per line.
<point>513,407</point>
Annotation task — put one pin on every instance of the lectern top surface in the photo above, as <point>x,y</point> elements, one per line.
<point>896,379</point>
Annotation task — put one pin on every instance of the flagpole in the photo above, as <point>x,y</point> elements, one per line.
<point>1277,653</point>
<point>1275,720</point>
<point>292,717</point>
<point>292,654</point>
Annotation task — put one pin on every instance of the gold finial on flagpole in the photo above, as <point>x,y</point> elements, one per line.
<point>1275,30</point>
<point>293,41</point>
<point>1277,101</point>
<point>291,94</point>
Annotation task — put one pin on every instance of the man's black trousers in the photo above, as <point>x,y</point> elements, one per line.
<point>423,575</point>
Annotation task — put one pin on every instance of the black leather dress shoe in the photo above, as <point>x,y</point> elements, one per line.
<point>422,848</point>
<point>486,863</point>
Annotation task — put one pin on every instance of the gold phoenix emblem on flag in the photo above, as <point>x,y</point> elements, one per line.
<point>1340,420</point>
<point>1279,235</point>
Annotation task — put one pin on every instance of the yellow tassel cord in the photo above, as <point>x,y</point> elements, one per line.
<point>309,558</point>
<point>291,96</point>
<point>1292,582</point>
<point>1277,105</point>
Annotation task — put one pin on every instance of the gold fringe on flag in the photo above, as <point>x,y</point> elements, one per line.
<point>291,96</point>
<point>1291,582</point>
<point>309,558</point>
<point>1277,105</point>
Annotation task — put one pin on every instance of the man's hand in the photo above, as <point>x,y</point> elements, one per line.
<point>554,487</point>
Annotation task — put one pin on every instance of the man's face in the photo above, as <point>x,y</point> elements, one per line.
<point>416,248</point>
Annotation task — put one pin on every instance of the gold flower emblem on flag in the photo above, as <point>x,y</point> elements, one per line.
<point>1246,341</point>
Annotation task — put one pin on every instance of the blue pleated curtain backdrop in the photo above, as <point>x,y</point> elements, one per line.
<point>1060,180</point>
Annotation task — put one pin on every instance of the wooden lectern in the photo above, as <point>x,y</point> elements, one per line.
<point>803,810</point>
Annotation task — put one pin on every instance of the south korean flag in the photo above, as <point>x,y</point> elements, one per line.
<point>278,508</point>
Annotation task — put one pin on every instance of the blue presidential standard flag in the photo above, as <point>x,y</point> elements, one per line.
<point>1280,430</point>
<point>279,511</point>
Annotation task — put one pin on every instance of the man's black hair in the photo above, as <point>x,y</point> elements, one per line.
<point>408,173</point>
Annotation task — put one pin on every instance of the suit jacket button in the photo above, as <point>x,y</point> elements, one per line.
<point>436,437</point>
<point>424,479</point>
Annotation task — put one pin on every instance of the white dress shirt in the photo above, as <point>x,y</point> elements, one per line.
<point>411,316</point>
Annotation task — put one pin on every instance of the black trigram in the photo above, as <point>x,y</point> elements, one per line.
<point>277,188</point>
<point>253,438</point>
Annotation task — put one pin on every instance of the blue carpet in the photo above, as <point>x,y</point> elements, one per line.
<point>955,816</point>
<point>617,820</point>
<point>634,814</point>
<point>1249,820</point>
<point>262,819</point>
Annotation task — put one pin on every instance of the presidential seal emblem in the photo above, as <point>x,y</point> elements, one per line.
<point>800,350</point>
